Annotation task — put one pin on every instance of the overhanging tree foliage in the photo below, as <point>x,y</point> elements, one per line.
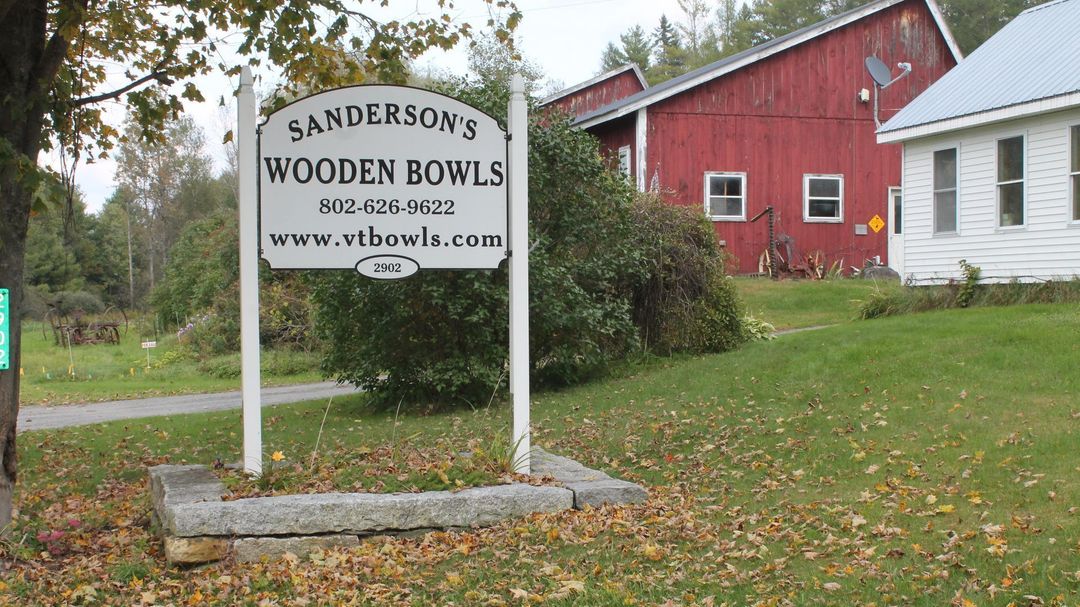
<point>54,75</point>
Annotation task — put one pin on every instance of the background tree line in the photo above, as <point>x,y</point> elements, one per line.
<point>709,31</point>
<point>119,254</point>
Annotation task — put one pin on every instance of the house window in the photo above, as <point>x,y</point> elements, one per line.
<point>725,196</point>
<point>945,216</point>
<point>1074,172</point>
<point>1010,181</point>
<point>823,198</point>
<point>624,161</point>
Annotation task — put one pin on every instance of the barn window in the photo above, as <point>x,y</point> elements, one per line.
<point>1010,181</point>
<point>1074,171</point>
<point>725,196</point>
<point>823,198</point>
<point>945,191</point>
<point>624,161</point>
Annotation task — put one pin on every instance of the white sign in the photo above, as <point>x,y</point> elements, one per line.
<point>149,344</point>
<point>388,180</point>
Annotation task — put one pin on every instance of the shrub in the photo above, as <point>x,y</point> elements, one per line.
<point>441,337</point>
<point>757,329</point>
<point>601,278</point>
<point>684,302</point>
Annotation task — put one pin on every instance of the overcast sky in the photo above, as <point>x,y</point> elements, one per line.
<point>565,38</point>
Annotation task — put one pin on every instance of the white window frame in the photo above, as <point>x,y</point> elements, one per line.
<point>1072,212</point>
<point>806,199</point>
<point>625,157</point>
<point>1022,181</point>
<point>708,207</point>
<point>934,191</point>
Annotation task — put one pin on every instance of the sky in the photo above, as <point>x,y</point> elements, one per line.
<point>565,38</point>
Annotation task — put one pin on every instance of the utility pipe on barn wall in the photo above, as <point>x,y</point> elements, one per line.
<point>249,273</point>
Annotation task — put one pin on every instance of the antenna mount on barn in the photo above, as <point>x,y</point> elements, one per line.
<point>883,79</point>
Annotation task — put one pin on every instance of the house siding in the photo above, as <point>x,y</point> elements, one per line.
<point>1047,247</point>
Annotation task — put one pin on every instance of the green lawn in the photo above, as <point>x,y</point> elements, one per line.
<point>54,374</point>
<point>792,304</point>
<point>918,460</point>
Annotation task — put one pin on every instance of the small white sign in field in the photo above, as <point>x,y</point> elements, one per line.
<point>149,344</point>
<point>388,180</point>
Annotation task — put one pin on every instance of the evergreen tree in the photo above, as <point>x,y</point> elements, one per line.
<point>670,56</point>
<point>974,21</point>
<point>634,47</point>
<point>612,58</point>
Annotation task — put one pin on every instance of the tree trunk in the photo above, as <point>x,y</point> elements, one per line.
<point>26,73</point>
<point>131,263</point>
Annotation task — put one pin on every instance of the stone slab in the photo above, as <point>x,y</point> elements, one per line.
<point>171,485</point>
<point>563,469</point>
<point>195,550</point>
<point>609,491</point>
<point>591,487</point>
<point>254,549</point>
<point>360,513</point>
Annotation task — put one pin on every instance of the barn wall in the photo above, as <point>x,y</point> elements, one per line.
<point>615,134</point>
<point>796,113</point>
<point>602,93</point>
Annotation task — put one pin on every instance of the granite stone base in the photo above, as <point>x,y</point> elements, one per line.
<point>199,527</point>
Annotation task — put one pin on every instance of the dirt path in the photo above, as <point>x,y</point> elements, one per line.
<point>37,417</point>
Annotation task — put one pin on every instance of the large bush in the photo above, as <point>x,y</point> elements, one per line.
<point>443,337</point>
<point>685,301</point>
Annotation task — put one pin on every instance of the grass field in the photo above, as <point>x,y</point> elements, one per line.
<point>793,304</point>
<point>54,374</point>
<point>918,460</point>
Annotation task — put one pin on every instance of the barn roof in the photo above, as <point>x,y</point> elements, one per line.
<point>1028,67</point>
<point>734,62</point>
<point>595,80</point>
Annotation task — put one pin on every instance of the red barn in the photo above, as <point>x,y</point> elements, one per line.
<point>788,124</point>
<point>598,92</point>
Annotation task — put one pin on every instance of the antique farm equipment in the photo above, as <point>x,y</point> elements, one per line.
<point>78,329</point>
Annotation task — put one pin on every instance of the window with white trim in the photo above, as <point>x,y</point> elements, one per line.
<point>1074,172</point>
<point>624,161</point>
<point>823,198</point>
<point>1010,182</point>
<point>725,196</point>
<point>945,180</point>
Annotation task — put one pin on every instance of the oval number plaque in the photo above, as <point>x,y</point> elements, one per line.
<point>387,267</point>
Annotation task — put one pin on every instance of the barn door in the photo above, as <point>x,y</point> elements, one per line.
<point>896,230</point>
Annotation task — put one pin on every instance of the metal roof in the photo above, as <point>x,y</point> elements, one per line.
<point>749,56</point>
<point>1030,61</point>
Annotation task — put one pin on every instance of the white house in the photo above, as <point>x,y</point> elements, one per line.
<point>991,162</point>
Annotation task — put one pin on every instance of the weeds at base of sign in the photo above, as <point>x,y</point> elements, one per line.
<point>387,468</point>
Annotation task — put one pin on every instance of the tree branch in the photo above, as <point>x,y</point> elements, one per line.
<point>52,57</point>
<point>159,75</point>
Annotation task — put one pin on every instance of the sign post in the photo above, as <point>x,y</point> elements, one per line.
<point>5,331</point>
<point>146,345</point>
<point>519,273</point>
<point>249,275</point>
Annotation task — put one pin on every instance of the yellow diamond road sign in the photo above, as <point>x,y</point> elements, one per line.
<point>876,223</point>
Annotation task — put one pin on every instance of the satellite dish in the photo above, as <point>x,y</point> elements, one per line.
<point>878,71</point>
